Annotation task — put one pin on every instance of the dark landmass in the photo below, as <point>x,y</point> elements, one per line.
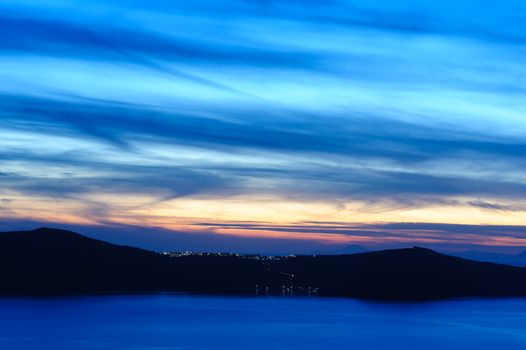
<point>506,259</point>
<point>49,261</point>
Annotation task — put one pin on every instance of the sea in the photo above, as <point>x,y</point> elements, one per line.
<point>175,321</point>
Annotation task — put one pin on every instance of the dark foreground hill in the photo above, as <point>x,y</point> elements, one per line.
<point>48,261</point>
<point>57,261</point>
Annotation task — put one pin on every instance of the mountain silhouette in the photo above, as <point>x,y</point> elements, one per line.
<point>412,273</point>
<point>499,258</point>
<point>50,261</point>
<point>56,261</point>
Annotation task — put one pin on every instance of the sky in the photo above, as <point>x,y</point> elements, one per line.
<point>266,126</point>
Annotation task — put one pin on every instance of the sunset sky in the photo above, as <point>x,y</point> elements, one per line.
<point>266,126</point>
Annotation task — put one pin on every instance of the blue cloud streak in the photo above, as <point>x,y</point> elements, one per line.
<point>414,103</point>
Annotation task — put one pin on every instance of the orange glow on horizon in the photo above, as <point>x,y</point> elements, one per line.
<point>277,218</point>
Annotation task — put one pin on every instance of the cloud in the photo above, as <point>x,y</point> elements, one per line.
<point>160,181</point>
<point>295,239</point>
<point>109,41</point>
<point>372,136</point>
<point>494,206</point>
<point>378,235</point>
<point>159,239</point>
<point>351,161</point>
<point>389,105</point>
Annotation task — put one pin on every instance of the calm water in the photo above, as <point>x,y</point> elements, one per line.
<point>163,322</point>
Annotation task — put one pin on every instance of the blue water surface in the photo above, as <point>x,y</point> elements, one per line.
<point>163,322</point>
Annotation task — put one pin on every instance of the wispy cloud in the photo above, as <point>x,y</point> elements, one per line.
<point>366,106</point>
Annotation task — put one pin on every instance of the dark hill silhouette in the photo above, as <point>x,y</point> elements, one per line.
<point>499,258</point>
<point>413,273</point>
<point>56,261</point>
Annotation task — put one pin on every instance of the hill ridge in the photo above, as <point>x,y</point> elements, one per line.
<point>51,261</point>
